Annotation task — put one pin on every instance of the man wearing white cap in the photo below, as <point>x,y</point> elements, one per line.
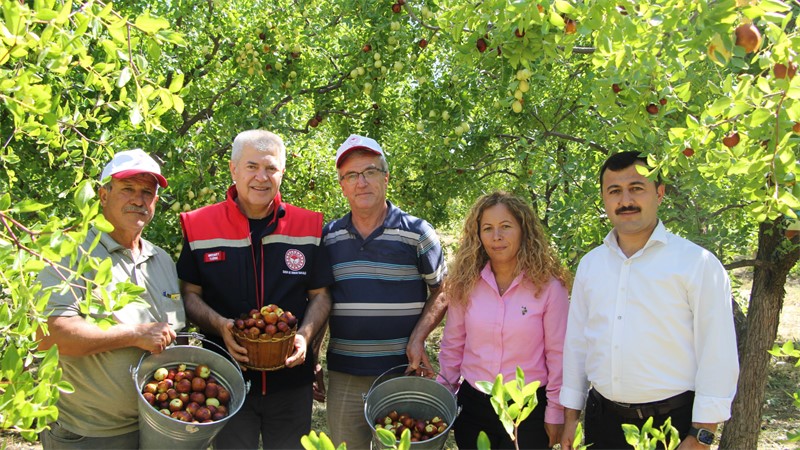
<point>103,413</point>
<point>388,268</point>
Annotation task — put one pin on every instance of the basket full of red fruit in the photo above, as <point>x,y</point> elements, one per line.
<point>268,335</point>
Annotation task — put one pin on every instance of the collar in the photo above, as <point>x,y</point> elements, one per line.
<point>658,236</point>
<point>488,276</point>
<point>393,218</point>
<point>147,249</point>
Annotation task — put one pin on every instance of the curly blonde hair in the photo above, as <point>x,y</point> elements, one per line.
<point>536,258</point>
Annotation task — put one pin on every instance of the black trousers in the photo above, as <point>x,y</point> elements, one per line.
<point>478,415</point>
<point>603,426</point>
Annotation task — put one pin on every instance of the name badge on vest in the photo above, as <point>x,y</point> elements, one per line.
<point>214,257</point>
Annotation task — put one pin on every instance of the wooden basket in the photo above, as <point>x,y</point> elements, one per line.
<point>266,353</point>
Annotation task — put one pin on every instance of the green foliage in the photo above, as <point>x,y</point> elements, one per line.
<point>312,441</point>
<point>70,73</point>
<point>483,441</point>
<point>512,401</point>
<point>388,439</point>
<point>789,350</point>
<point>648,437</point>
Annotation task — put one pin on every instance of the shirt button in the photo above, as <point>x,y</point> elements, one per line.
<point>619,317</point>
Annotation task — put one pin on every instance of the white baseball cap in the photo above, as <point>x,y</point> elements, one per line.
<point>128,163</point>
<point>356,142</point>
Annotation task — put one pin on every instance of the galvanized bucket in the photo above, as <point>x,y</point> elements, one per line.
<point>157,431</point>
<point>416,396</point>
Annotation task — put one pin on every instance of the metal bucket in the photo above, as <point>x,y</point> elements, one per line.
<point>157,431</point>
<point>416,396</point>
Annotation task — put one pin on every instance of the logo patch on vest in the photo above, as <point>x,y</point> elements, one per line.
<point>214,257</point>
<point>295,259</point>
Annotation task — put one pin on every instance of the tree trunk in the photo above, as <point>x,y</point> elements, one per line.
<point>776,258</point>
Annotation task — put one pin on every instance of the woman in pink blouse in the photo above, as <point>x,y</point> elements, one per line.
<point>508,307</point>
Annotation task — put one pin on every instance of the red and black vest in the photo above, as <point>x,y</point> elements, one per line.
<point>236,276</point>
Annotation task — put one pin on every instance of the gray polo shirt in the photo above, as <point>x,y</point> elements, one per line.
<point>104,402</point>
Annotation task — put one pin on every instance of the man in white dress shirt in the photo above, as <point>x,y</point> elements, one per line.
<point>650,329</point>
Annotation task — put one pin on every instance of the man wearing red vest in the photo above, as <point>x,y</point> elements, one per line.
<point>246,252</point>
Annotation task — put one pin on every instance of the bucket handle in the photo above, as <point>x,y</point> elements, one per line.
<point>180,334</point>
<point>436,375</point>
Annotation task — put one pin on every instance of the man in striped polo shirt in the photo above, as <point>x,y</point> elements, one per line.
<point>388,268</point>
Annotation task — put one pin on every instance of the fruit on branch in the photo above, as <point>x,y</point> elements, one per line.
<point>688,151</point>
<point>731,139</point>
<point>748,37</point>
<point>781,70</point>
<point>652,108</point>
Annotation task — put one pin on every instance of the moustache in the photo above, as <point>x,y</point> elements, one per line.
<point>625,209</point>
<point>137,210</point>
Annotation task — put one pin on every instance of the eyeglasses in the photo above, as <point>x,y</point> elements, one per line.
<point>370,175</point>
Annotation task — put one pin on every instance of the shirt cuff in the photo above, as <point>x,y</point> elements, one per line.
<point>554,414</point>
<point>711,409</point>
<point>572,398</point>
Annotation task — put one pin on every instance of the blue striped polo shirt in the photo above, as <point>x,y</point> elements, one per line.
<point>381,285</point>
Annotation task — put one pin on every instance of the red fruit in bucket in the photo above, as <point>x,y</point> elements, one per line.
<point>184,385</point>
<point>149,397</point>
<point>198,384</point>
<point>198,397</point>
<point>192,408</point>
<point>202,413</point>
<point>224,396</point>
<point>212,390</point>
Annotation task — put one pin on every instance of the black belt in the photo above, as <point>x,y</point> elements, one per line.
<point>644,410</point>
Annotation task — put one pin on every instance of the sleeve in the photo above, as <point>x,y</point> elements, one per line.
<point>64,302</point>
<point>575,385</point>
<point>451,351</point>
<point>554,323</point>
<point>715,343</point>
<point>322,271</point>
<point>187,266</point>
<point>430,256</point>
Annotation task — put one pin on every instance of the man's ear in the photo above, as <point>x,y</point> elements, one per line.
<point>660,191</point>
<point>102,193</point>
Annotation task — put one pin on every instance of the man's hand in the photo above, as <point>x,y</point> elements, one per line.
<point>319,383</point>
<point>571,417</point>
<point>299,355</point>
<point>418,361</point>
<point>154,337</point>
<point>690,443</point>
<point>238,352</point>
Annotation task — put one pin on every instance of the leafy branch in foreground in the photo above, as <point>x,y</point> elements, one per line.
<point>788,350</point>
<point>512,401</point>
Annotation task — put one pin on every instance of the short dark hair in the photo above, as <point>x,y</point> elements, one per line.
<point>623,160</point>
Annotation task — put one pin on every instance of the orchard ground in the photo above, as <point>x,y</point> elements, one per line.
<point>779,415</point>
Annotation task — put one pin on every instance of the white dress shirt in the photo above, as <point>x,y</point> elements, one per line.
<point>648,327</point>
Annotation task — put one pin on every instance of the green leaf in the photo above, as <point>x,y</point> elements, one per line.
<point>150,24</point>
<point>483,441</point>
<point>124,76</point>
<point>564,7</point>
<point>103,224</point>
<point>5,201</point>
<point>176,84</point>
<point>83,194</point>
<point>386,437</point>
<point>29,205</point>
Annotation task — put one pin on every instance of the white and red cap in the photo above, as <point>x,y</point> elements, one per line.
<point>128,163</point>
<point>356,142</point>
